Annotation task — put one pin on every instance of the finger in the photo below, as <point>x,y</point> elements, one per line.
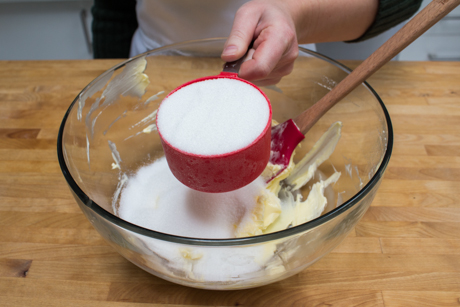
<point>241,35</point>
<point>281,71</point>
<point>261,64</point>
<point>269,54</point>
<point>250,54</point>
<point>275,76</point>
<point>267,82</point>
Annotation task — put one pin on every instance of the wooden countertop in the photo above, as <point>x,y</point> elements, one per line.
<point>404,252</point>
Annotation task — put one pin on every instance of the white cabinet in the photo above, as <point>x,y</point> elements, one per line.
<point>41,30</point>
<point>355,51</point>
<point>440,43</point>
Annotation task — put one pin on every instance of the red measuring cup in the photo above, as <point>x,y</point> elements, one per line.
<point>221,172</point>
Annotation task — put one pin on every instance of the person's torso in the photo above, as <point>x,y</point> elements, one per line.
<point>162,22</point>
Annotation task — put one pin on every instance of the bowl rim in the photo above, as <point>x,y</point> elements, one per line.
<point>230,241</point>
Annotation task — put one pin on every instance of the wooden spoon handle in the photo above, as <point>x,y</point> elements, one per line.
<point>421,22</point>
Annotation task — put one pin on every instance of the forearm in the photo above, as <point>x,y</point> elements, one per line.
<point>319,21</point>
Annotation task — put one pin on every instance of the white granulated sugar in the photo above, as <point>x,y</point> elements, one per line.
<point>223,264</point>
<point>214,116</point>
<point>153,198</point>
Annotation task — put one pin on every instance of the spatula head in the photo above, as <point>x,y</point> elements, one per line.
<point>285,138</point>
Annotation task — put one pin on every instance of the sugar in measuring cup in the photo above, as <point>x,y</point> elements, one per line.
<point>216,131</point>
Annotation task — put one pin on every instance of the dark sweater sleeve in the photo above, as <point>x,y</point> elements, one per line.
<point>390,13</point>
<point>114,23</point>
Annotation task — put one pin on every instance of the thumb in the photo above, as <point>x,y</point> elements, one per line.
<point>241,35</point>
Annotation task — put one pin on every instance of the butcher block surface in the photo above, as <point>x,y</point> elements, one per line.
<point>404,252</point>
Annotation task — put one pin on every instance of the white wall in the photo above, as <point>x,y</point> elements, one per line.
<point>441,42</point>
<point>43,30</point>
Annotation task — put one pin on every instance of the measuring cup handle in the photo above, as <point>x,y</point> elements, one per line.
<point>234,67</point>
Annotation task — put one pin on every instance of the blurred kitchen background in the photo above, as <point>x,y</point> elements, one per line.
<point>61,29</point>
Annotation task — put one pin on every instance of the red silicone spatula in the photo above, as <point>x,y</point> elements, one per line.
<point>286,136</point>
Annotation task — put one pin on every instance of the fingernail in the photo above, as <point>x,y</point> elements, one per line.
<point>230,50</point>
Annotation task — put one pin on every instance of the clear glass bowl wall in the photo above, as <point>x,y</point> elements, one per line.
<point>85,156</point>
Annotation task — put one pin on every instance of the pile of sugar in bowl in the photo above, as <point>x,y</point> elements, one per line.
<point>155,199</point>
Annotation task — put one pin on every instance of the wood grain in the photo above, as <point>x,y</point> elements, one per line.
<point>404,252</point>
<point>425,299</point>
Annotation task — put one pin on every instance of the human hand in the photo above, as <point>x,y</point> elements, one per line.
<point>277,26</point>
<point>271,26</point>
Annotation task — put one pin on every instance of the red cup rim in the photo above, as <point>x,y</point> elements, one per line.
<point>222,75</point>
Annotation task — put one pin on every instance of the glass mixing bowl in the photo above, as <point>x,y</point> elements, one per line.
<point>106,136</point>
